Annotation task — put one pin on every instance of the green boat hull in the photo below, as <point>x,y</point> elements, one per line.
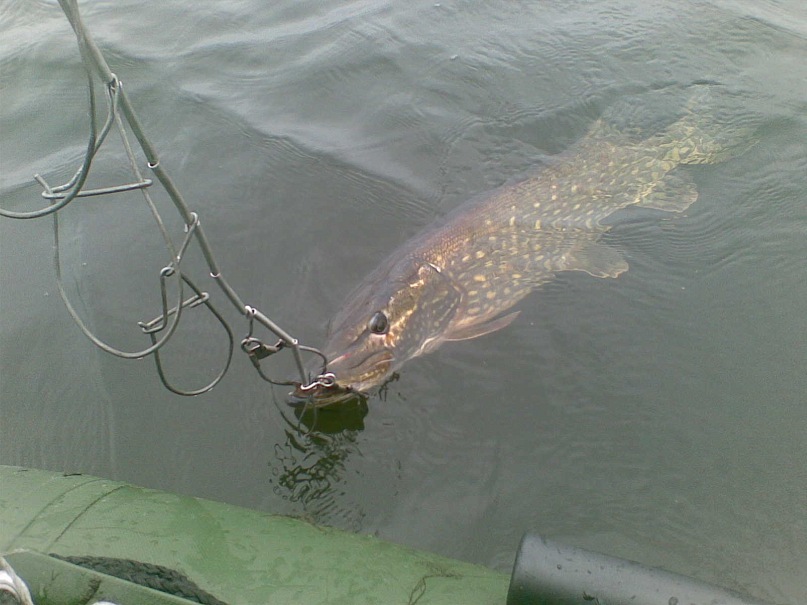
<point>79,539</point>
<point>233,554</point>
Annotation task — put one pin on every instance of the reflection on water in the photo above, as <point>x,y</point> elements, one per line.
<point>309,467</point>
<point>348,416</point>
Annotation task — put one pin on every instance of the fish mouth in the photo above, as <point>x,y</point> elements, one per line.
<point>320,396</point>
<point>342,383</point>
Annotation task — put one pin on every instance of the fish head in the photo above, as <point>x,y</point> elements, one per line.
<point>399,312</point>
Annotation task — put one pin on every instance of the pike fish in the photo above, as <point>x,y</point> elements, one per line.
<point>460,278</point>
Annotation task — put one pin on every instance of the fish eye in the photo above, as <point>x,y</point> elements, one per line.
<point>378,323</point>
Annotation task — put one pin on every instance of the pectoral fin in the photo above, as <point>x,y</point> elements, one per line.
<point>475,330</point>
<point>674,193</point>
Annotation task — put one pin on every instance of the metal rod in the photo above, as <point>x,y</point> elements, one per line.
<point>287,338</point>
<point>101,191</point>
<point>154,163</point>
<point>59,196</point>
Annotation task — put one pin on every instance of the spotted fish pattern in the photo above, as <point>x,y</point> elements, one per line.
<point>460,278</point>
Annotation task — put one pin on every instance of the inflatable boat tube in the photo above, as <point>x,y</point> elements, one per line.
<point>172,550</point>
<point>81,540</point>
<point>547,573</point>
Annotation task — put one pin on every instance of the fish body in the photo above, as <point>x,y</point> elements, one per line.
<point>460,277</point>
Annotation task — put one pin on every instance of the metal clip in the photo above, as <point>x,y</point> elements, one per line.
<point>326,381</point>
<point>257,350</point>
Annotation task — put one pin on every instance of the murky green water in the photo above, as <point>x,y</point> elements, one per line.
<point>660,416</point>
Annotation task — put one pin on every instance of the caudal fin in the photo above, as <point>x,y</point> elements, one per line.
<point>702,136</point>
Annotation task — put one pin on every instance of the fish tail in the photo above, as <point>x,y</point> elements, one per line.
<point>701,137</point>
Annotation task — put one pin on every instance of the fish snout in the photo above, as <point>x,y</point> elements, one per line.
<point>348,376</point>
<point>324,391</point>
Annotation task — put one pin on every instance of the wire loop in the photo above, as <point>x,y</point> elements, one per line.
<point>121,115</point>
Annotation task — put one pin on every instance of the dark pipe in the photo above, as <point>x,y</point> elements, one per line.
<point>548,573</point>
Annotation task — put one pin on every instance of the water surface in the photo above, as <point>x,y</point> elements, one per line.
<point>660,416</point>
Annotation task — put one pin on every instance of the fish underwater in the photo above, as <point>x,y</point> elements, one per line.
<point>460,278</point>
